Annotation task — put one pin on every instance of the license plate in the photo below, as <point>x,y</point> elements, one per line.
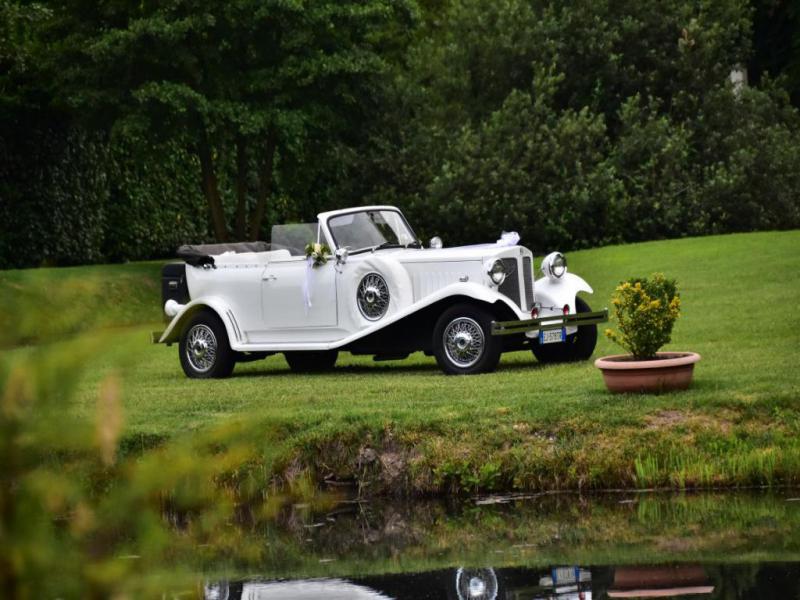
<point>552,336</point>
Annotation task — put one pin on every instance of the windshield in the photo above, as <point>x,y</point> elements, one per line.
<point>370,229</point>
<point>293,237</point>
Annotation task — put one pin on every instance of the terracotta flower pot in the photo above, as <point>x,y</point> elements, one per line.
<point>667,372</point>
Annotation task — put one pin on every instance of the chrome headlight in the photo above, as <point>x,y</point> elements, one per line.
<point>497,272</point>
<point>554,265</point>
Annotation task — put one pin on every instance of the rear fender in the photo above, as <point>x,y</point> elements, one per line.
<point>173,332</point>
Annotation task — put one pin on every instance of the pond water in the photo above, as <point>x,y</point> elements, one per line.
<point>756,581</point>
<point>623,545</point>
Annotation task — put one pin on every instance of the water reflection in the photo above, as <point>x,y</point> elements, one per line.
<point>310,589</point>
<point>660,582</point>
<point>723,582</point>
<point>705,546</point>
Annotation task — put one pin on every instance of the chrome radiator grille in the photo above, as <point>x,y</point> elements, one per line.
<point>510,287</point>
<point>527,273</point>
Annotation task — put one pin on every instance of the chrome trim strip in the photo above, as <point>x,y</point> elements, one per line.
<point>235,325</point>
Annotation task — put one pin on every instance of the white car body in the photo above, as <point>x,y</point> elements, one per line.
<point>272,301</point>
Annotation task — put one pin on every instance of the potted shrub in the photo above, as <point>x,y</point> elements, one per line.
<point>645,310</point>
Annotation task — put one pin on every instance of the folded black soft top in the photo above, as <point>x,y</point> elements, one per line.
<point>203,254</point>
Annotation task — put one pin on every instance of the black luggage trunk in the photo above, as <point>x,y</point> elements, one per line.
<point>173,283</point>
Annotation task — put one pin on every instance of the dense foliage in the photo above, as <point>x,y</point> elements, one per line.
<point>130,129</point>
<point>584,123</point>
<point>69,197</point>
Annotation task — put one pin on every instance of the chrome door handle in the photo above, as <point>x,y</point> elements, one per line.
<point>269,277</point>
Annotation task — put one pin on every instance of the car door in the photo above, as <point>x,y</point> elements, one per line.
<point>286,305</point>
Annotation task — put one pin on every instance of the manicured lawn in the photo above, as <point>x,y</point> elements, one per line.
<point>525,426</point>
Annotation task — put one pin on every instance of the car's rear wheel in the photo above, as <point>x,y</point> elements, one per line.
<point>313,361</point>
<point>474,584</point>
<point>462,341</point>
<point>578,346</point>
<point>204,349</point>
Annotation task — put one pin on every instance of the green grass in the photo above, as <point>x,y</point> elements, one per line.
<point>48,303</point>
<point>524,427</point>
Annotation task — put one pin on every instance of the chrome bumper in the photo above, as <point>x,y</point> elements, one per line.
<point>549,322</point>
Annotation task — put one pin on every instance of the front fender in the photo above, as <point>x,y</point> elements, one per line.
<point>557,293</point>
<point>475,291</point>
<point>220,307</point>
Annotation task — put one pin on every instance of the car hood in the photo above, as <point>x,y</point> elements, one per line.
<point>456,253</point>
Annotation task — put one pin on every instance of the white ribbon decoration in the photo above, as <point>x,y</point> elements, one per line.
<point>307,284</point>
<point>508,238</point>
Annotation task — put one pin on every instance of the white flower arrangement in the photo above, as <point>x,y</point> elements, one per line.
<point>318,253</point>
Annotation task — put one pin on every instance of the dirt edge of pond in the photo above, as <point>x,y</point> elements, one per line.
<point>670,449</point>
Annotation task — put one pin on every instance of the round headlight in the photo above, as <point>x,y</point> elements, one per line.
<point>554,265</point>
<point>497,272</point>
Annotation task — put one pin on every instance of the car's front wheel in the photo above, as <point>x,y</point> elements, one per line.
<point>462,341</point>
<point>204,348</point>
<point>578,346</point>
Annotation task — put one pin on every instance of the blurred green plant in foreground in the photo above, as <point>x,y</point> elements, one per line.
<point>75,521</point>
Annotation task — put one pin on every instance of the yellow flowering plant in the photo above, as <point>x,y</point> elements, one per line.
<point>318,253</point>
<point>645,310</point>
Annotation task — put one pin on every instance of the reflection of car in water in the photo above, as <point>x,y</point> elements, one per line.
<point>564,583</point>
<point>726,580</point>
<point>308,589</point>
<point>567,583</point>
<point>660,581</point>
<point>561,583</point>
<point>476,584</point>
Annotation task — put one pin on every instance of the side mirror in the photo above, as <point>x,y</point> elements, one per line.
<point>341,255</point>
<point>436,242</point>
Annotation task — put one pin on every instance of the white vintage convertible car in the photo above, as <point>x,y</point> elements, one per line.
<point>380,293</point>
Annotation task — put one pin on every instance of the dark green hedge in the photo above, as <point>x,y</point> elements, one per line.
<point>53,197</point>
<point>155,203</point>
<point>70,197</point>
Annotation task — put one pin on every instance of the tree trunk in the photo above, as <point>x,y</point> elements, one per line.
<point>211,187</point>
<point>241,187</point>
<point>264,187</point>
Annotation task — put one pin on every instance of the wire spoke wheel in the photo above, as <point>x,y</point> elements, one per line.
<point>201,347</point>
<point>204,349</point>
<point>464,341</point>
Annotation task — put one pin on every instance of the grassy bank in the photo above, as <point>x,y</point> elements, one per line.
<point>405,428</point>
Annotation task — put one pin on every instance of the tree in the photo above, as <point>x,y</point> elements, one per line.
<point>581,123</point>
<point>245,84</point>
<point>776,42</point>
<point>18,24</point>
